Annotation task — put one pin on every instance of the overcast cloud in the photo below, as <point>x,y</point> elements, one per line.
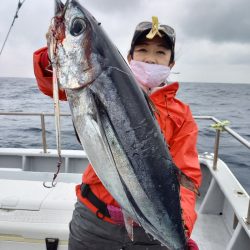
<point>213,37</point>
<point>218,21</point>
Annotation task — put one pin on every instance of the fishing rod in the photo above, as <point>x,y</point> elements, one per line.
<point>19,5</point>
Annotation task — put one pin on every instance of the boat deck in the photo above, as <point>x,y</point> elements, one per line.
<point>210,232</point>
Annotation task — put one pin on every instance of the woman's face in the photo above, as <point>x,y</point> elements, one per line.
<point>153,51</point>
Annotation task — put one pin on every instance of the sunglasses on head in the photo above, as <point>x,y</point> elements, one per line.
<point>162,27</point>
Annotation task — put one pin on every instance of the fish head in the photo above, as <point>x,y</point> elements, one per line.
<point>70,45</point>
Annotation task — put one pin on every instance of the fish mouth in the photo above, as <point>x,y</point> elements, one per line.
<point>89,74</point>
<point>87,69</point>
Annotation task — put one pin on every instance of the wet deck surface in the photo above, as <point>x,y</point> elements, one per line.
<point>210,233</point>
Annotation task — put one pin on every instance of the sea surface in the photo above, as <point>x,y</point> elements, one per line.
<point>223,101</point>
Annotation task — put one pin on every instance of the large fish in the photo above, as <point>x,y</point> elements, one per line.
<point>115,124</point>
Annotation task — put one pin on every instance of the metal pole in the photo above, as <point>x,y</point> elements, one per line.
<point>43,133</point>
<point>216,149</point>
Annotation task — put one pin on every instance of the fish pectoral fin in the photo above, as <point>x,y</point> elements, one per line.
<point>104,124</point>
<point>186,182</point>
<point>128,221</point>
<point>114,150</point>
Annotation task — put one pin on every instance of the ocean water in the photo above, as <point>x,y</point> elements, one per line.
<point>223,101</point>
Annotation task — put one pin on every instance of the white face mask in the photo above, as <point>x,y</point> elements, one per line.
<point>149,75</point>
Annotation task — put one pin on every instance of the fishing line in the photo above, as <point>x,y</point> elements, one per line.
<point>58,129</point>
<point>19,5</point>
<point>54,63</point>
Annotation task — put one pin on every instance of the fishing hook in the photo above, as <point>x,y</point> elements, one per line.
<point>53,182</point>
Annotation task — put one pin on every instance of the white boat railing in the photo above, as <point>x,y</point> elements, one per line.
<point>221,127</point>
<point>230,131</point>
<point>42,117</point>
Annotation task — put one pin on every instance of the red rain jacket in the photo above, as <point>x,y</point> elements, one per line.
<point>177,125</point>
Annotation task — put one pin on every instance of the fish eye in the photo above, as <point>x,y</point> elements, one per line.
<point>77,27</point>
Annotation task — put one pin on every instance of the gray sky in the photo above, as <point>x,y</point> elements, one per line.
<point>213,37</point>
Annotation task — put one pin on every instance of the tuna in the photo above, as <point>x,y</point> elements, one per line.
<point>115,124</point>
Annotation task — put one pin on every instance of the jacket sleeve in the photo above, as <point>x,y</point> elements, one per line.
<point>43,73</point>
<point>183,148</point>
<point>185,155</point>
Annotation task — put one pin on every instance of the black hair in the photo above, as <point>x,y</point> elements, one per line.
<point>168,45</point>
